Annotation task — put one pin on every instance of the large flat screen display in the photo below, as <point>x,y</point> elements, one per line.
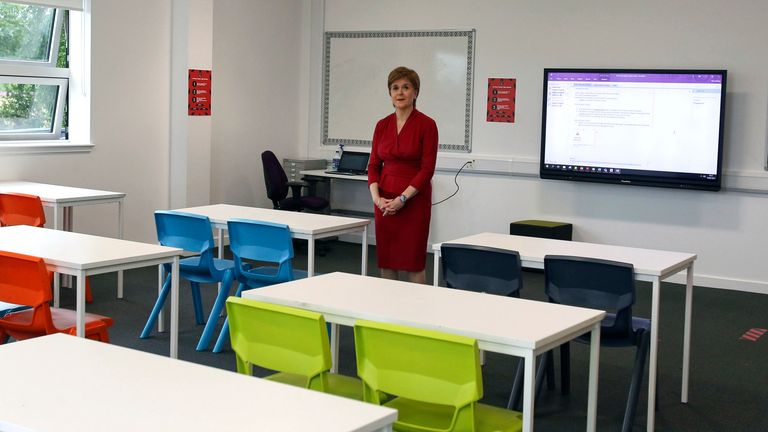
<point>632,126</point>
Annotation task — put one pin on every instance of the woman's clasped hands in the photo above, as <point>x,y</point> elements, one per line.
<point>389,207</point>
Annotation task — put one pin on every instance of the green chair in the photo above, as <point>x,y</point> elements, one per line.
<point>291,341</point>
<point>433,379</point>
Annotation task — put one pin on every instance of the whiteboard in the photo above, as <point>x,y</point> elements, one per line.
<point>355,94</point>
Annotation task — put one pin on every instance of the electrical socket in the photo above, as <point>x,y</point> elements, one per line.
<point>471,164</point>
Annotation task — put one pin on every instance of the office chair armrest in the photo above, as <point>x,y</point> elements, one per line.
<point>296,188</point>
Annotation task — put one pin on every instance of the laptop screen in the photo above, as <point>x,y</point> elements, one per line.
<point>354,162</point>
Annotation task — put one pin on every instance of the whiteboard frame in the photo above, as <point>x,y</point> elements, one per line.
<point>466,146</point>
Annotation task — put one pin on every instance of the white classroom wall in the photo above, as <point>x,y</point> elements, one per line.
<point>266,61</point>
<point>129,121</point>
<point>190,140</point>
<point>200,52</point>
<point>726,229</point>
<point>258,94</point>
<point>131,86</point>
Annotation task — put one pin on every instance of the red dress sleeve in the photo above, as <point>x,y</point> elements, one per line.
<point>375,161</point>
<point>428,154</point>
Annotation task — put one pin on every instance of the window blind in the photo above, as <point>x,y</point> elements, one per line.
<point>66,4</point>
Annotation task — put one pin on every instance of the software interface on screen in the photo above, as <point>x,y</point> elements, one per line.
<point>634,122</point>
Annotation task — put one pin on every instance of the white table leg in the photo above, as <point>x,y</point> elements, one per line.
<point>120,222</point>
<point>594,367</point>
<point>529,387</point>
<point>68,219</point>
<point>310,257</point>
<point>56,281</point>
<point>653,364</point>
<point>687,333</point>
<point>175,308</point>
<point>334,348</point>
<point>66,280</point>
<point>80,304</point>
<point>436,267</point>
<point>220,245</point>
<point>161,315</point>
<point>221,256</point>
<point>364,261</point>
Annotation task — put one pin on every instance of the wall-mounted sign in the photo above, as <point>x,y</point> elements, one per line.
<point>501,100</point>
<point>199,93</point>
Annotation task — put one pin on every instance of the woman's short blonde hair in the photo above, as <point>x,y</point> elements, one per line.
<point>403,72</point>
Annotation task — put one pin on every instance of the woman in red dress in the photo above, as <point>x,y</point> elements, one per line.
<point>400,170</point>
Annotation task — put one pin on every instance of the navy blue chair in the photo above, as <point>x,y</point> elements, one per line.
<point>488,270</point>
<point>481,269</point>
<point>605,285</point>
<point>263,242</point>
<point>192,233</point>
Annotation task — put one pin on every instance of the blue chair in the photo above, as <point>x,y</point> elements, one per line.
<point>481,269</point>
<point>263,242</point>
<point>489,270</point>
<point>193,234</point>
<point>8,308</point>
<point>610,286</point>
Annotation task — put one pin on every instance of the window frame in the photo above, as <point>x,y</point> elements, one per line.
<point>58,113</point>
<point>46,73</point>
<point>53,47</point>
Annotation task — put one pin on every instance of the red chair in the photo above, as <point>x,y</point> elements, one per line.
<point>23,209</point>
<point>25,280</point>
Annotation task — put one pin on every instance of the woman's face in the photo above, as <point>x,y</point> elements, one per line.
<point>402,93</point>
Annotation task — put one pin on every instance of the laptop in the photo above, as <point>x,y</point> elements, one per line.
<point>352,163</point>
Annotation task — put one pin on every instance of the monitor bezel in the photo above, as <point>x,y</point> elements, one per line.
<point>647,178</point>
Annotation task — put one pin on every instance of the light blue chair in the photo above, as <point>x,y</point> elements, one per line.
<point>262,242</point>
<point>193,234</point>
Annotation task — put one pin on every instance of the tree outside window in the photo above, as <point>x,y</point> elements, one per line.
<point>33,71</point>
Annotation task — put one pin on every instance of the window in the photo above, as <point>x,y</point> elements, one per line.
<point>36,81</point>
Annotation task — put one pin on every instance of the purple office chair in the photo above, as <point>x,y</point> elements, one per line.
<point>277,188</point>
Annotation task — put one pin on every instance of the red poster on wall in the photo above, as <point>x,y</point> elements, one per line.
<point>199,93</point>
<point>501,100</point>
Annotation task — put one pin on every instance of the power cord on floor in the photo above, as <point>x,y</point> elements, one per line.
<point>455,181</point>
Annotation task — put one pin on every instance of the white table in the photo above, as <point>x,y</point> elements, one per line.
<point>330,175</point>
<point>362,202</point>
<point>82,255</point>
<point>104,387</point>
<point>522,328</point>
<point>307,226</point>
<point>650,265</point>
<point>62,199</point>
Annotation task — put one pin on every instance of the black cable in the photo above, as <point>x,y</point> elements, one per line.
<point>456,182</point>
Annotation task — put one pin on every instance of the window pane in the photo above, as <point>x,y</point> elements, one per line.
<point>25,32</point>
<point>27,108</point>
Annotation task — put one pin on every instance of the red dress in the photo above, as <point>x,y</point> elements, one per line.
<point>397,161</point>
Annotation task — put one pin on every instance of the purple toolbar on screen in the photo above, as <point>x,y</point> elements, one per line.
<point>636,77</point>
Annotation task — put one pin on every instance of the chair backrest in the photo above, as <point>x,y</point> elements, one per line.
<point>279,338</point>
<point>274,178</point>
<point>481,269</point>
<point>592,283</point>
<point>261,241</point>
<point>186,231</point>
<point>25,280</point>
<point>21,209</point>
<point>421,365</point>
